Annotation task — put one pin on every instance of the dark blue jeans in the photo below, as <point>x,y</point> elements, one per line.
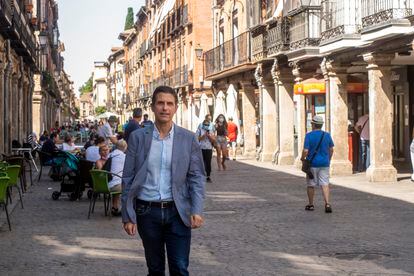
<point>364,155</point>
<point>162,229</point>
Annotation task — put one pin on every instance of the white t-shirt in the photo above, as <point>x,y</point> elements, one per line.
<point>92,153</point>
<point>117,167</point>
<point>106,131</point>
<point>67,147</point>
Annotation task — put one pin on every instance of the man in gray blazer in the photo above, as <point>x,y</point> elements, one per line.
<point>163,187</point>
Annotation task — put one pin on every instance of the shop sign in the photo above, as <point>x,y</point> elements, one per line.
<point>310,88</point>
<point>357,87</point>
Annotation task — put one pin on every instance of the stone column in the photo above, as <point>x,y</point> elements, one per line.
<point>249,119</point>
<point>300,114</point>
<point>284,85</point>
<point>269,119</point>
<point>338,98</point>
<point>380,118</point>
<point>2,96</point>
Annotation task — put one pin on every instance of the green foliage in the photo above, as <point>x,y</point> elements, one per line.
<point>100,110</point>
<point>129,21</point>
<point>87,86</point>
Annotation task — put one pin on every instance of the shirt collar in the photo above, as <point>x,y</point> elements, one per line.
<point>156,133</point>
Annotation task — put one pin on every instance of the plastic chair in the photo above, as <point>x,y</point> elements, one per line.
<point>4,184</point>
<point>100,186</point>
<point>13,172</point>
<point>19,160</point>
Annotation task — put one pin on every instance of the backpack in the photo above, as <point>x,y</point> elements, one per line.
<point>107,167</point>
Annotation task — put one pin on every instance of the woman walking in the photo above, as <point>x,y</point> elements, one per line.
<point>206,139</point>
<point>221,145</point>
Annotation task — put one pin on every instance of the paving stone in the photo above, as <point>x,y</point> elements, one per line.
<point>255,225</point>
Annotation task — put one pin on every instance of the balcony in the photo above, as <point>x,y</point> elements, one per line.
<point>376,12</point>
<point>23,39</point>
<point>304,31</point>
<point>143,49</point>
<point>185,19</point>
<point>259,36</point>
<point>278,37</point>
<point>6,15</point>
<point>232,54</point>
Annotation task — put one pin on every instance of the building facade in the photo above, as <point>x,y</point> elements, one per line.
<point>53,89</point>
<point>100,88</point>
<point>167,35</point>
<point>86,107</point>
<point>337,59</point>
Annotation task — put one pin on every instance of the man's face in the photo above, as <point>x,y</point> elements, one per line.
<point>56,139</point>
<point>164,107</point>
<point>209,118</point>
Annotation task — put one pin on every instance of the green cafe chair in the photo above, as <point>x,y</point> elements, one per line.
<point>4,185</point>
<point>100,186</point>
<point>13,172</point>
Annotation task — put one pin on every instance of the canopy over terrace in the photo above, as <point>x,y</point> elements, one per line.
<point>161,15</point>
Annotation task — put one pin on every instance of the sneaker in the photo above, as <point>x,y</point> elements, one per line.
<point>208,179</point>
<point>115,212</point>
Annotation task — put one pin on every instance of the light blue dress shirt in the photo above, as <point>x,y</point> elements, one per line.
<point>158,184</point>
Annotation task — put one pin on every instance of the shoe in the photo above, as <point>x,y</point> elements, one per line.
<point>309,207</point>
<point>234,159</point>
<point>328,208</point>
<point>115,212</point>
<point>208,179</point>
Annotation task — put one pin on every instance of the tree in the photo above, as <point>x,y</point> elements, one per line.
<point>100,110</point>
<point>129,21</point>
<point>87,86</point>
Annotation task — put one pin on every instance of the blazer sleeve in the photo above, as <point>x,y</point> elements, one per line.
<point>196,178</point>
<point>128,175</point>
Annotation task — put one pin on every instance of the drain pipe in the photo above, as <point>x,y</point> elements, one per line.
<point>259,78</point>
<point>6,90</point>
<point>276,78</point>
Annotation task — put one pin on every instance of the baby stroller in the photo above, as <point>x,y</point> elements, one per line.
<point>66,167</point>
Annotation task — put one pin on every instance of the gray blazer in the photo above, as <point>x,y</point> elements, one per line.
<point>187,172</point>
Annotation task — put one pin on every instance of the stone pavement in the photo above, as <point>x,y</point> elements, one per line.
<point>255,225</point>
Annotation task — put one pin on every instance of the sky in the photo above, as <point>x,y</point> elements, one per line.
<point>89,28</point>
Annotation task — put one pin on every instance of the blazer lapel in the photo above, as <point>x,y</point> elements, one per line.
<point>147,140</point>
<point>175,152</point>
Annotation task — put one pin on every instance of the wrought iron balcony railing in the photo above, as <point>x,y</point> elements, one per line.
<point>259,36</point>
<point>23,39</point>
<point>340,18</point>
<point>278,37</point>
<point>143,48</point>
<point>6,15</point>
<point>228,55</point>
<point>305,28</point>
<point>379,11</point>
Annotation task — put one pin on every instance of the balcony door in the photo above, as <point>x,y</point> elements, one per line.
<point>235,34</point>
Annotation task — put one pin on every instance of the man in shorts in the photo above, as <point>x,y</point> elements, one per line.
<point>318,148</point>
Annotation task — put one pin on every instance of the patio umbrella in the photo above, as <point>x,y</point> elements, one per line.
<point>203,108</point>
<point>220,106</point>
<point>106,114</point>
<point>232,106</point>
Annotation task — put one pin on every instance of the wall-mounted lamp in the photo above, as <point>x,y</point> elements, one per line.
<point>199,52</point>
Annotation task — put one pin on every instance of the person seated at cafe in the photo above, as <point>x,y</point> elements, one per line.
<point>117,167</point>
<point>68,144</point>
<point>104,154</point>
<point>92,152</point>
<point>49,146</point>
<point>44,137</point>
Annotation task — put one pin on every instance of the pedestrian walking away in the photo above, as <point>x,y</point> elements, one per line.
<point>134,123</point>
<point>207,140</point>
<point>221,141</point>
<point>232,136</point>
<point>318,149</point>
<point>362,127</point>
<point>163,187</point>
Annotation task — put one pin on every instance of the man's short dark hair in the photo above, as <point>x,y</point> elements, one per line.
<point>164,89</point>
<point>145,115</point>
<point>137,112</point>
<point>53,135</point>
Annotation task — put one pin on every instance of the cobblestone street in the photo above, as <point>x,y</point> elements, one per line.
<point>255,225</point>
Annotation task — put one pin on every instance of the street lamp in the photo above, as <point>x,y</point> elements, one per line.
<point>199,52</point>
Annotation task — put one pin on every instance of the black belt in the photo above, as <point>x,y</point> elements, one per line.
<point>159,204</point>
